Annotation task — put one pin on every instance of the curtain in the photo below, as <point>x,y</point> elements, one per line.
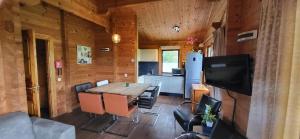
<point>274,111</point>
<point>219,49</point>
<point>219,42</point>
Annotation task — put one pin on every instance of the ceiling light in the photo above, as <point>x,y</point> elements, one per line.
<point>116,38</point>
<point>176,28</point>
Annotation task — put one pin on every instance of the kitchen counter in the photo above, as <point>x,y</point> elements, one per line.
<point>169,83</point>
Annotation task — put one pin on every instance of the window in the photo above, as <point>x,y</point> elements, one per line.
<point>170,60</point>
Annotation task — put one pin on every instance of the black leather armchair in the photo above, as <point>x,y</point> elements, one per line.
<point>187,119</point>
<point>148,98</point>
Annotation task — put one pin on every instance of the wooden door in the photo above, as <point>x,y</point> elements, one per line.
<point>31,73</point>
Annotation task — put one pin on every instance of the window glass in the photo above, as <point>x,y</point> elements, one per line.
<point>170,60</point>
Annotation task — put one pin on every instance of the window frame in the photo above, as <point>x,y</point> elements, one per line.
<point>162,59</point>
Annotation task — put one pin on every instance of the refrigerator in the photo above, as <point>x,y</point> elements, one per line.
<point>193,72</point>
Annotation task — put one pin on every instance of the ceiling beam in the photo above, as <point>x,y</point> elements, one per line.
<point>119,3</point>
<point>30,2</point>
<point>77,9</point>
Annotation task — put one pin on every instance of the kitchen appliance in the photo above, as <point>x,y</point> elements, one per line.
<point>193,72</point>
<point>177,72</point>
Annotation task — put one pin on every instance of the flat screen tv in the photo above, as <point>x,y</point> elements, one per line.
<point>229,72</point>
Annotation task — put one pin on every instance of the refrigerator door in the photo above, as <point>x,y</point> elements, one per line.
<point>193,72</point>
<point>194,65</point>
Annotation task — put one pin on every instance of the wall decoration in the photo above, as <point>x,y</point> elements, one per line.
<point>84,55</point>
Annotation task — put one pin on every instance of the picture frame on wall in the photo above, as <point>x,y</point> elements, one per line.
<point>84,54</point>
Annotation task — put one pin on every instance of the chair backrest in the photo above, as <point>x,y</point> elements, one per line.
<point>91,103</point>
<point>206,100</point>
<point>101,83</point>
<point>82,87</point>
<point>117,105</point>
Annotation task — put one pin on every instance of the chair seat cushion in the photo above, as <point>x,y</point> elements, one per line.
<point>146,95</point>
<point>184,116</point>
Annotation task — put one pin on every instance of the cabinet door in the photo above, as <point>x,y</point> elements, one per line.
<point>153,80</point>
<point>172,85</point>
<point>141,79</point>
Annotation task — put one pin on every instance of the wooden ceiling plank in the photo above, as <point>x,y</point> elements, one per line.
<point>30,2</point>
<point>119,3</point>
<point>78,9</point>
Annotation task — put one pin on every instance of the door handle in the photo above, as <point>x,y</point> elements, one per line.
<point>34,87</point>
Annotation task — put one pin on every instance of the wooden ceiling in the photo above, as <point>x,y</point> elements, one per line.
<point>156,18</point>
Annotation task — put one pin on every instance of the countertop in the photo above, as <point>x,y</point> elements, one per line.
<point>165,75</point>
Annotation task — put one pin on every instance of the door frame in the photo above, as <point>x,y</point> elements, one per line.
<point>50,72</point>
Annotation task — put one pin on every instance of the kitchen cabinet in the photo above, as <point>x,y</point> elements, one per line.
<point>169,84</point>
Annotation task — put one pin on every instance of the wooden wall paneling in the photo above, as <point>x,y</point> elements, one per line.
<point>78,9</point>
<point>2,85</point>
<point>46,19</point>
<point>66,68</point>
<point>184,50</point>
<point>12,67</point>
<point>125,23</point>
<point>233,26</point>
<point>159,60</point>
<point>93,36</point>
<point>78,74</point>
<point>105,60</point>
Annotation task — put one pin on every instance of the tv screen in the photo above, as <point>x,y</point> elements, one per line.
<point>229,72</point>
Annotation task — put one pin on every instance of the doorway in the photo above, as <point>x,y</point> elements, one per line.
<point>39,73</point>
<point>41,54</point>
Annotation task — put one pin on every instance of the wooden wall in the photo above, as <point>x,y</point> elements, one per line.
<point>82,32</point>
<point>241,16</point>
<point>45,19</point>
<point>67,31</point>
<point>124,22</point>
<point>12,77</point>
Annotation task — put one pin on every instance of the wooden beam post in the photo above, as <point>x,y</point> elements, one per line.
<point>81,11</point>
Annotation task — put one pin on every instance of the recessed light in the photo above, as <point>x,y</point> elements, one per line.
<point>176,28</point>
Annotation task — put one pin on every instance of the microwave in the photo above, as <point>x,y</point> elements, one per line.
<point>177,71</point>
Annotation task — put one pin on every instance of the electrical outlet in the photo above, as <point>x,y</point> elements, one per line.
<point>125,75</point>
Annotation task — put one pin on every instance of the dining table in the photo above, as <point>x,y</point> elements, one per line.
<point>131,90</point>
<point>119,100</point>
